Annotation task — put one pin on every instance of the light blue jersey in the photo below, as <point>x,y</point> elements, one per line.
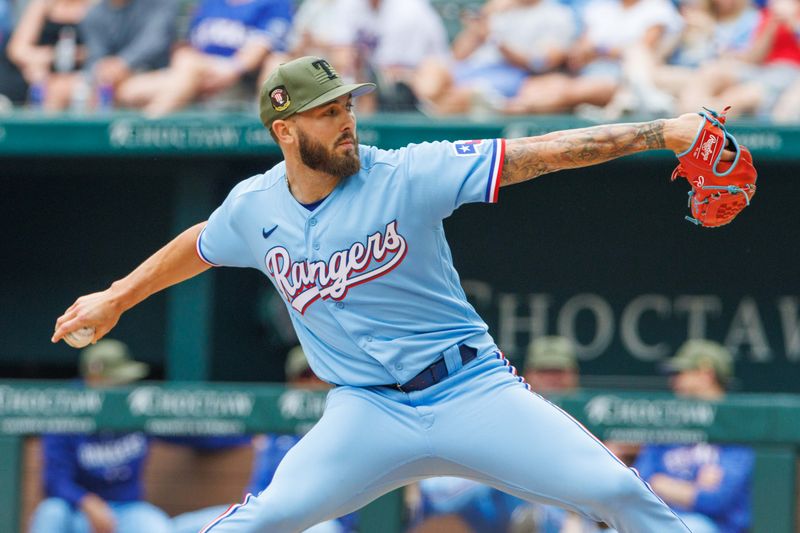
<point>369,282</point>
<point>367,276</point>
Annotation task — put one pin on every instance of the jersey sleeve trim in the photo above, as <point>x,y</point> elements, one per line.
<point>496,169</point>
<point>199,249</point>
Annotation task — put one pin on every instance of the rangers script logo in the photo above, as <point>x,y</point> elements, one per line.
<point>302,283</point>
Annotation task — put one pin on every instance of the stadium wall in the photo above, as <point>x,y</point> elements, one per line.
<point>600,254</point>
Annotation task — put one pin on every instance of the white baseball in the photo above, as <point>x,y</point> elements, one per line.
<point>80,337</point>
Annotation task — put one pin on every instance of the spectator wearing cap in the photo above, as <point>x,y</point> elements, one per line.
<point>700,369</point>
<point>109,363</point>
<point>93,483</point>
<point>707,485</point>
<point>551,365</point>
<point>299,373</point>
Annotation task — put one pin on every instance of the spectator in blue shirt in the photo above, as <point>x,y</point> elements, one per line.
<point>93,483</point>
<point>229,41</point>
<point>708,485</point>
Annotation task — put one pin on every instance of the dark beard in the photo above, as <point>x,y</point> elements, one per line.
<point>315,156</point>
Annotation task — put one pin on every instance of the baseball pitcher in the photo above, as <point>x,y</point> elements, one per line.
<point>351,237</point>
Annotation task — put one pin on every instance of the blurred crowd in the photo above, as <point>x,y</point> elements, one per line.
<point>598,58</point>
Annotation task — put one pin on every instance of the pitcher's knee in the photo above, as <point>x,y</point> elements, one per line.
<point>622,489</point>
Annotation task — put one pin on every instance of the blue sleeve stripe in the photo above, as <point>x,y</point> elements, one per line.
<point>199,249</point>
<point>495,169</point>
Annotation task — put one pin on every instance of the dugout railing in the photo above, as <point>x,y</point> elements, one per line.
<point>768,423</point>
<point>216,133</point>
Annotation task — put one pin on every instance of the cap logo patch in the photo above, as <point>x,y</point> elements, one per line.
<point>330,73</point>
<point>279,98</point>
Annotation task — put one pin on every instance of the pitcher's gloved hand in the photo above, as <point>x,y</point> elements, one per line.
<point>720,189</point>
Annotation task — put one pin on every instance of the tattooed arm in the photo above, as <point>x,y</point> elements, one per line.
<point>530,157</point>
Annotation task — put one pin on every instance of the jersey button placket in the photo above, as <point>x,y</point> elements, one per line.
<point>311,236</point>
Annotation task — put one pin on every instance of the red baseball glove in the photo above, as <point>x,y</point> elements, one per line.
<point>720,189</point>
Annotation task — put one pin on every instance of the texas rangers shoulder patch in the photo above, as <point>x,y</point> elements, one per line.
<point>465,148</point>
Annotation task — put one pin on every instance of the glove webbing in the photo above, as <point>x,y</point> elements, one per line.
<point>732,189</point>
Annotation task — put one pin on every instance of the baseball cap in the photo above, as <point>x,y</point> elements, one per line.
<point>111,361</point>
<point>551,353</point>
<point>296,363</point>
<point>702,353</point>
<point>300,85</point>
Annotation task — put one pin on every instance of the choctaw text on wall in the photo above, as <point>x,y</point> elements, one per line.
<point>649,327</point>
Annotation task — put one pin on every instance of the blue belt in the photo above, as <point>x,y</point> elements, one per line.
<point>436,372</point>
